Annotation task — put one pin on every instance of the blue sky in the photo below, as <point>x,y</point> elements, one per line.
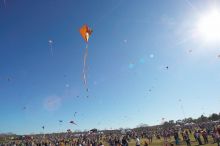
<point>132,44</point>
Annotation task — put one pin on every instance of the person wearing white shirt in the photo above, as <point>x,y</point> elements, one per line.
<point>137,141</point>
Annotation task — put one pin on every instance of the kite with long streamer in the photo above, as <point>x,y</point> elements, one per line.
<point>85,32</point>
<point>50,43</point>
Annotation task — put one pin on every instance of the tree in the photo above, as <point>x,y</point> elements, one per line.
<point>169,124</point>
<point>214,117</point>
<point>188,120</point>
<point>202,119</point>
<point>172,122</point>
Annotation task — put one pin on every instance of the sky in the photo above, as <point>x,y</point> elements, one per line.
<point>147,60</point>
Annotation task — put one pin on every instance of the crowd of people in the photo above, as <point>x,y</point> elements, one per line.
<point>177,135</point>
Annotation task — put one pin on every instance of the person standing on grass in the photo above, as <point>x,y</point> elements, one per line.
<point>137,141</point>
<point>176,137</point>
<point>145,143</point>
<point>218,129</point>
<point>150,137</point>
<point>186,138</point>
<point>217,135</point>
<point>194,134</point>
<point>198,137</point>
<point>124,141</point>
<point>214,136</point>
<point>205,137</point>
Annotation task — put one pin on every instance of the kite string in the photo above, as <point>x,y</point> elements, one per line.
<point>85,67</point>
<point>192,6</point>
<point>51,49</point>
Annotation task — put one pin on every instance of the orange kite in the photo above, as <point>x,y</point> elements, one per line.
<point>85,32</point>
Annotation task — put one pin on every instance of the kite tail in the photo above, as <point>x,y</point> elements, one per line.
<point>51,49</point>
<point>85,68</point>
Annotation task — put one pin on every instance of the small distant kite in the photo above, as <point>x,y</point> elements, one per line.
<point>72,122</point>
<point>75,114</point>
<point>85,32</point>
<point>219,56</point>
<point>167,67</point>
<point>8,79</point>
<point>50,43</point>
<point>60,121</point>
<point>43,127</point>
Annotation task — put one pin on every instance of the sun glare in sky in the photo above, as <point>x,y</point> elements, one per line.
<point>209,26</point>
